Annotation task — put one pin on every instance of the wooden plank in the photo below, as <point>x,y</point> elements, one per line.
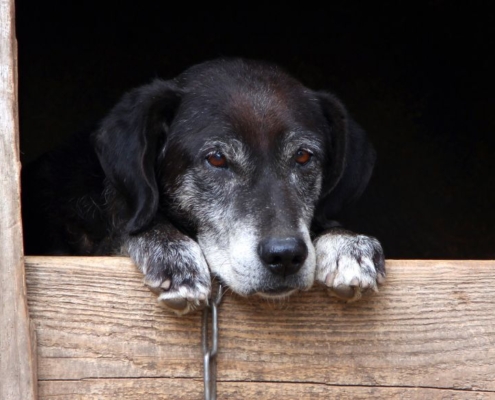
<point>17,368</point>
<point>431,327</point>
<point>166,388</point>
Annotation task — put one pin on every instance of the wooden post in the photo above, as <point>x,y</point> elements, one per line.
<point>17,361</point>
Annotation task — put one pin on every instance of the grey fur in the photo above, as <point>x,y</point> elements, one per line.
<point>349,264</point>
<point>173,265</point>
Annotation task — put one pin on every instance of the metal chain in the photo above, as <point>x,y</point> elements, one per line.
<point>210,352</point>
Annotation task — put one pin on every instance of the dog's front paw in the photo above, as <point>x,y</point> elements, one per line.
<point>175,270</point>
<point>349,264</point>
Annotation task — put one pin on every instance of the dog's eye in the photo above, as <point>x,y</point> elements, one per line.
<point>217,160</point>
<point>303,156</point>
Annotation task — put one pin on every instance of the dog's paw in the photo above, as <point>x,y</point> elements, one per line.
<point>349,264</point>
<point>175,270</point>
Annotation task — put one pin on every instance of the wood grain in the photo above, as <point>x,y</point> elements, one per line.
<point>180,388</point>
<point>429,333</point>
<point>17,368</point>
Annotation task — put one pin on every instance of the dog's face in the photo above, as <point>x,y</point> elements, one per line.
<point>241,155</point>
<point>244,162</point>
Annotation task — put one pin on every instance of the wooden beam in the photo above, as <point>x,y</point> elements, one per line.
<point>17,370</point>
<point>429,333</point>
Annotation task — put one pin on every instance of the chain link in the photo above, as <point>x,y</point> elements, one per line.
<point>210,352</point>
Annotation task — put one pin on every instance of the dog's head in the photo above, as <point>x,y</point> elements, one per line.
<point>243,157</point>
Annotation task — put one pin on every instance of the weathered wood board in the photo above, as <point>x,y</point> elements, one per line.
<point>17,368</point>
<point>428,334</point>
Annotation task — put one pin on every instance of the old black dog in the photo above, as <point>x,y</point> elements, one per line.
<point>233,169</point>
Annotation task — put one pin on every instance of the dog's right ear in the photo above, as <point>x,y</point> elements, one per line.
<point>127,143</point>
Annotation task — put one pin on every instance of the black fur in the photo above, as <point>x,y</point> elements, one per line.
<point>117,182</point>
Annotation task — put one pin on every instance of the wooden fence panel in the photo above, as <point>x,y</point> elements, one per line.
<point>428,334</point>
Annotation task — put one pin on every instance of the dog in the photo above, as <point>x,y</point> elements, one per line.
<point>233,170</point>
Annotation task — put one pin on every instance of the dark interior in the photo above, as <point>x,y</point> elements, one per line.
<point>418,76</point>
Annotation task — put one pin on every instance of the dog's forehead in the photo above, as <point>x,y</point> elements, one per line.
<point>257,103</point>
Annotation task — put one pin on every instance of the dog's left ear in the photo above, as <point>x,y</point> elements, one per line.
<point>127,143</point>
<point>350,161</point>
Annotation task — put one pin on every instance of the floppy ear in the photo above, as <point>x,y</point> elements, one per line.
<point>127,143</point>
<point>350,161</point>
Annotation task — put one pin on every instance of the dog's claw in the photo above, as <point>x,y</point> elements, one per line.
<point>166,284</point>
<point>175,304</point>
<point>184,298</point>
<point>157,286</point>
<point>182,305</point>
<point>181,300</point>
<point>344,292</point>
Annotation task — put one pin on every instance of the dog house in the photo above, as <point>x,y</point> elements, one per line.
<point>86,328</point>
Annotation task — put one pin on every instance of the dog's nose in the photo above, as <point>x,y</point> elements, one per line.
<point>283,256</point>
